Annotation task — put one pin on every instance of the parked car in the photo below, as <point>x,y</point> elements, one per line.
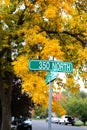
<point>54,119</point>
<point>67,120</point>
<point>22,123</point>
<point>13,127</point>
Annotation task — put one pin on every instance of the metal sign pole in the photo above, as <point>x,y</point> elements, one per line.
<point>50,106</point>
<point>51,65</point>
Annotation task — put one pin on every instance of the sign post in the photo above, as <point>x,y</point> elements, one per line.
<point>50,107</point>
<point>49,78</point>
<point>53,66</point>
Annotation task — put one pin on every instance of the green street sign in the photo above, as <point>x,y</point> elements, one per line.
<point>52,65</point>
<point>51,76</point>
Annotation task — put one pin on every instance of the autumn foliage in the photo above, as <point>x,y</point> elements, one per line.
<point>52,28</point>
<point>41,29</point>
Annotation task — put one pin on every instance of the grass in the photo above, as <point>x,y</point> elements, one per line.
<point>80,123</point>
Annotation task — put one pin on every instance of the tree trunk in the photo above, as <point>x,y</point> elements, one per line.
<point>6,110</point>
<point>5,95</point>
<point>84,122</point>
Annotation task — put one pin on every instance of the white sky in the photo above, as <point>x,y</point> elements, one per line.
<point>63,77</point>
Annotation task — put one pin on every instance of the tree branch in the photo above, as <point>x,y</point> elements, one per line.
<point>3,51</point>
<point>77,36</point>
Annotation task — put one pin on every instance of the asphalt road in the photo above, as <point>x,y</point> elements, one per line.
<point>43,125</point>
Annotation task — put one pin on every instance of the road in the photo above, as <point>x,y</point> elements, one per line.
<point>43,125</point>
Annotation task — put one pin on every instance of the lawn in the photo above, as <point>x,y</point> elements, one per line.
<point>80,123</point>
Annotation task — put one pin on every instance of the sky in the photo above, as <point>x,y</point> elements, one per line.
<point>63,77</point>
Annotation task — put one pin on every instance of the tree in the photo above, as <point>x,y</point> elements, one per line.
<point>52,28</point>
<point>22,100</point>
<point>76,106</point>
<point>37,29</point>
<point>9,46</point>
<point>40,111</point>
<point>19,100</point>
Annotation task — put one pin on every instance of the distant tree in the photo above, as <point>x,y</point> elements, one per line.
<point>21,104</point>
<point>83,94</point>
<point>76,105</point>
<point>40,111</point>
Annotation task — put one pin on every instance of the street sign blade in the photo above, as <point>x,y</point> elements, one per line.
<point>51,65</point>
<point>51,76</point>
